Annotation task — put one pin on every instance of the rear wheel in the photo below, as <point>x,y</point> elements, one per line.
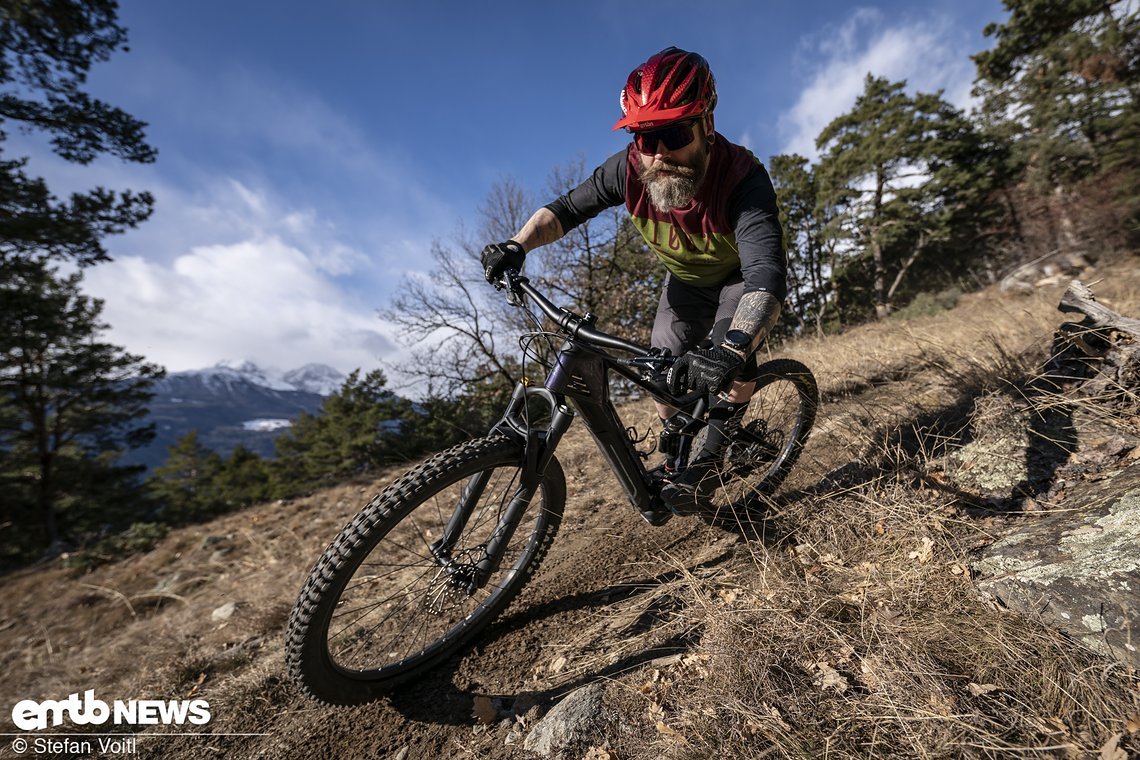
<point>382,605</point>
<point>771,435</point>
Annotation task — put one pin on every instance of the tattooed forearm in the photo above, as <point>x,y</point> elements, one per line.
<point>756,314</point>
<point>542,228</point>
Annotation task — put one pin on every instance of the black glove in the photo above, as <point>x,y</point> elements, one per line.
<point>708,370</point>
<point>499,257</point>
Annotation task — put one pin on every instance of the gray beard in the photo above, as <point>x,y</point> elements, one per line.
<point>670,186</point>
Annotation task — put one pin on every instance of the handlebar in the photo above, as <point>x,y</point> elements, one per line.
<point>581,328</point>
<point>574,325</point>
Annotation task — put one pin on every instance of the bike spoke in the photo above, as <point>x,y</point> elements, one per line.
<point>425,557</point>
<point>403,605</point>
<point>374,578</point>
<point>405,592</point>
<point>416,525</point>
<point>367,640</point>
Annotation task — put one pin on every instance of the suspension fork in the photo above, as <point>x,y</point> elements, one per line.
<point>538,448</point>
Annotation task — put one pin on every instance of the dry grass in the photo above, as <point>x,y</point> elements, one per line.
<point>146,626</point>
<point>862,634</point>
<point>850,628</point>
<point>858,631</point>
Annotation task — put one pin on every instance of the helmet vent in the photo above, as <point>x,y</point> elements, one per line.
<point>672,85</point>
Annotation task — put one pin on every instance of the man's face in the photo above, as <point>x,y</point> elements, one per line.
<point>672,177</point>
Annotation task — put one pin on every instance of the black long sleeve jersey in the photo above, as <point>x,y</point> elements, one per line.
<point>733,221</point>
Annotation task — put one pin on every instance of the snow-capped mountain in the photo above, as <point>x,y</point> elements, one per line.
<point>311,378</point>
<point>315,378</point>
<point>232,404</point>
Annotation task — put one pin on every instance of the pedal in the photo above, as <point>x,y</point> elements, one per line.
<point>681,500</point>
<point>657,516</point>
<point>690,491</point>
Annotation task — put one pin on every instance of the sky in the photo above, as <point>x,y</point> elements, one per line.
<point>310,153</point>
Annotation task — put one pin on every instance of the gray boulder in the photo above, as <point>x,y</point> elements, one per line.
<point>1078,570</point>
<point>570,725</point>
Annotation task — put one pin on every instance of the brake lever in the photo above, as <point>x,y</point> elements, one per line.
<point>507,282</point>
<point>657,364</point>
<point>659,359</point>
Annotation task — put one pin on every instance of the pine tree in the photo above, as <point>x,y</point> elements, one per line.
<point>811,255</point>
<point>47,48</point>
<point>1061,86</point>
<point>243,479</point>
<point>71,403</point>
<point>185,485</point>
<point>1062,79</point>
<point>360,427</point>
<point>898,176</point>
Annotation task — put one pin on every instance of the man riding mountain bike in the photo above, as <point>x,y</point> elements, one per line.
<point>706,207</point>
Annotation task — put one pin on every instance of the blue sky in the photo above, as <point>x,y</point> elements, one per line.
<point>309,153</point>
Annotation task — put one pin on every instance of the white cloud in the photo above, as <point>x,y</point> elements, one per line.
<point>929,53</point>
<point>248,156</point>
<point>281,224</point>
<point>228,269</point>
<point>231,271</point>
<point>260,299</point>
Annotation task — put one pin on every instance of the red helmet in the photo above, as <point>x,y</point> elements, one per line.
<point>673,84</point>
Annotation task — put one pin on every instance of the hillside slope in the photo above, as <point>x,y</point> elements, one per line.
<point>848,623</point>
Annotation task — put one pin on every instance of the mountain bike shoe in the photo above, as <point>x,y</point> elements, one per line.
<point>657,514</point>
<point>690,491</point>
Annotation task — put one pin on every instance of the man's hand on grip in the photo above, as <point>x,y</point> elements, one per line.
<point>499,257</point>
<point>708,370</point>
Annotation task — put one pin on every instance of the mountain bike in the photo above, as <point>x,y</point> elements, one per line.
<point>442,551</point>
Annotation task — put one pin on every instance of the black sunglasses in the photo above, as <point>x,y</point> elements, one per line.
<point>673,137</point>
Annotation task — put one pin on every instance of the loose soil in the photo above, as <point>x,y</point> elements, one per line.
<point>601,607</point>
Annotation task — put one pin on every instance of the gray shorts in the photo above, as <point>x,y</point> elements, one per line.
<point>686,313</point>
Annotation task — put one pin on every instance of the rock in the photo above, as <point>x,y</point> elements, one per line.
<point>994,462</point>
<point>225,612</point>
<point>573,723</point>
<point>1078,570</point>
<point>1048,270</point>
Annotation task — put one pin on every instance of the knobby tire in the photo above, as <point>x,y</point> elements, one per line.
<point>344,650</point>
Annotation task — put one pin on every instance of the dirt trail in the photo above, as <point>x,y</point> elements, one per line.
<point>590,612</point>
<point>156,627</point>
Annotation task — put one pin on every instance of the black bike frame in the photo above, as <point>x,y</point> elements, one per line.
<point>578,380</point>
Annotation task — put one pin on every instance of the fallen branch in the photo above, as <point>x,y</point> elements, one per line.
<point>1111,339</point>
<point>1079,299</point>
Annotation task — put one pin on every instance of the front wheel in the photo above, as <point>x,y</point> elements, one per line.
<point>771,434</point>
<point>384,603</point>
